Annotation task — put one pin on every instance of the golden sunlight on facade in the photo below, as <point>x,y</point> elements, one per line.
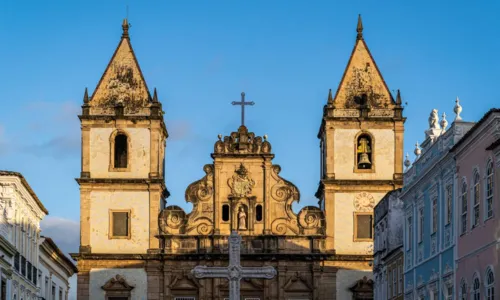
<point>133,246</point>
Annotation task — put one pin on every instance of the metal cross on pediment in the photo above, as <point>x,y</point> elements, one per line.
<point>243,103</point>
<point>234,272</point>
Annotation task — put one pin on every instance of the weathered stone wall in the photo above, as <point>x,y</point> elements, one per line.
<point>104,201</point>
<point>139,153</point>
<point>345,150</point>
<point>346,205</point>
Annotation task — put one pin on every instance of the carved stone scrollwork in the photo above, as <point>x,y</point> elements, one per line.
<point>240,183</point>
<point>311,220</point>
<point>172,220</point>
<point>243,142</point>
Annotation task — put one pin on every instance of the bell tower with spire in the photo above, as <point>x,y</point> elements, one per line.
<point>361,142</point>
<point>122,186</point>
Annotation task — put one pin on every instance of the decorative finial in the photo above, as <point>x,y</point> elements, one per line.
<point>457,109</point>
<point>417,151</point>
<point>359,28</point>
<point>330,97</point>
<point>265,137</point>
<point>398,99</point>
<point>155,96</point>
<point>86,96</point>
<point>407,161</point>
<point>125,27</point>
<point>443,122</point>
<point>219,136</point>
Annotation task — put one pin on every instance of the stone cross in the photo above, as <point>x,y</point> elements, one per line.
<point>243,103</point>
<point>234,272</point>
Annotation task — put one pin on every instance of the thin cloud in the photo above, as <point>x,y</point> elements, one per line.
<point>57,147</point>
<point>64,232</point>
<point>179,130</point>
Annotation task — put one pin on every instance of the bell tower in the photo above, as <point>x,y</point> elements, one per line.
<point>361,142</point>
<point>122,186</point>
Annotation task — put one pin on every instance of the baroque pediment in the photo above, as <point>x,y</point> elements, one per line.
<point>184,282</point>
<point>297,283</point>
<point>117,283</point>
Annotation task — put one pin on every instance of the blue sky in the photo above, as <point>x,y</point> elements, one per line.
<point>200,55</point>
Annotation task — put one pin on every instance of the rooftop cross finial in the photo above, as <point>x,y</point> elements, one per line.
<point>359,28</point>
<point>243,103</point>
<point>125,27</point>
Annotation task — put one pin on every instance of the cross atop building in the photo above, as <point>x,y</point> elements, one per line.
<point>243,103</point>
<point>234,272</point>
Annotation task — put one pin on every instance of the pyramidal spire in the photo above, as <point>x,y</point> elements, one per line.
<point>330,97</point>
<point>359,28</point>
<point>398,98</point>
<point>122,82</point>
<point>362,78</point>
<point>86,96</point>
<point>155,96</point>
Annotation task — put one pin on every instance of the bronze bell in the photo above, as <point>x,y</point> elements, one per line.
<point>364,159</point>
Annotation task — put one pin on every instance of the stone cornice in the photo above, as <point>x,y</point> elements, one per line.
<point>8,248</point>
<point>27,188</point>
<point>223,256</point>
<point>53,252</point>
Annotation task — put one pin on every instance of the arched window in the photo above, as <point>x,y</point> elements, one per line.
<point>225,212</point>
<point>475,196</point>
<point>464,208</point>
<point>258,213</point>
<point>364,151</point>
<point>121,151</point>
<point>463,290</point>
<point>490,285</point>
<point>476,292</point>
<point>489,190</point>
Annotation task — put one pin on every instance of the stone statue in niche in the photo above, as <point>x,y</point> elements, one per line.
<point>242,219</point>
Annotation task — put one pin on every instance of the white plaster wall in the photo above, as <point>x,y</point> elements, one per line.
<point>134,277</point>
<point>344,154</point>
<point>344,225</point>
<point>101,202</point>
<point>60,279</point>
<point>140,143</point>
<point>346,279</point>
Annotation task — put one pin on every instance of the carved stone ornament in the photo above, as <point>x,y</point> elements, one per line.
<point>241,184</point>
<point>364,202</point>
<point>363,289</point>
<point>242,142</point>
<point>117,283</point>
<point>173,219</point>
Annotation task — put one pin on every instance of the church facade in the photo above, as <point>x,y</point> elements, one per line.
<point>134,246</point>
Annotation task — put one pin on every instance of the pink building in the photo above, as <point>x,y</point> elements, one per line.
<point>478,210</point>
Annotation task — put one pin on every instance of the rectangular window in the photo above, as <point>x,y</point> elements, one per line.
<point>389,285</point>
<point>53,291</point>
<point>3,295</point>
<point>394,282</point>
<point>60,294</point>
<point>400,278</point>
<point>119,224</point>
<point>464,209</point>
<point>489,192</point>
<point>410,233</point>
<point>449,204</point>
<point>363,226</point>
<point>421,224</point>
<point>434,215</point>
